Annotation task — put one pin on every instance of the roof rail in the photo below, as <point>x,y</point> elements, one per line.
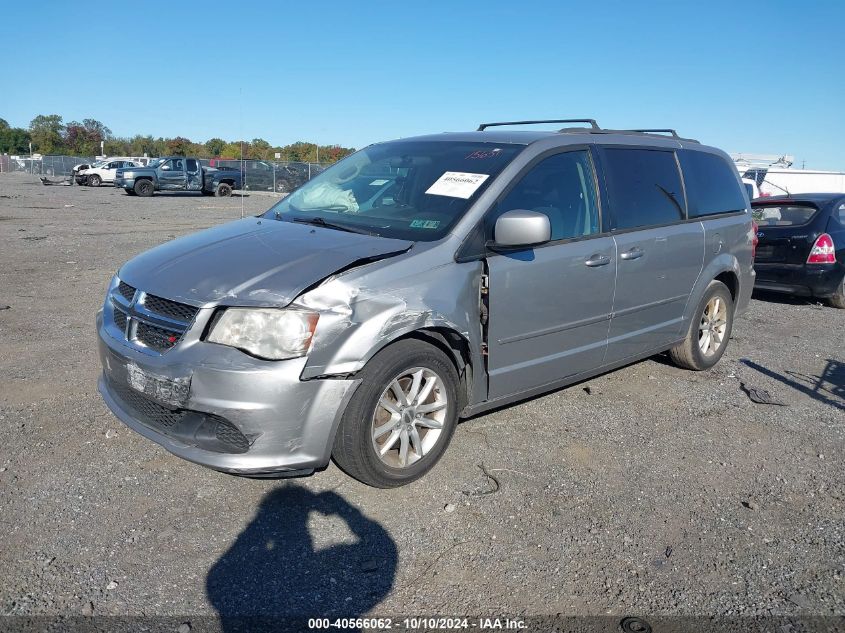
<point>657,131</point>
<point>592,123</point>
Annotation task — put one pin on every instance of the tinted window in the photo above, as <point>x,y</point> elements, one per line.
<point>192,164</point>
<point>711,184</point>
<point>644,187</point>
<point>842,214</point>
<point>562,187</point>
<point>783,215</point>
<point>114,165</point>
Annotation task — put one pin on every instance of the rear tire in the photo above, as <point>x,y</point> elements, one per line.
<point>94,180</point>
<point>144,188</point>
<point>709,330</point>
<point>223,190</point>
<point>369,442</point>
<point>837,299</point>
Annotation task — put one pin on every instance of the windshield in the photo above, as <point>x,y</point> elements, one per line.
<point>413,190</point>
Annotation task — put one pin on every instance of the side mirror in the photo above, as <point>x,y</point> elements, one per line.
<point>520,228</point>
<point>165,167</point>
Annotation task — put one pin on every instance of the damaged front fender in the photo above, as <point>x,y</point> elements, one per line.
<point>364,310</point>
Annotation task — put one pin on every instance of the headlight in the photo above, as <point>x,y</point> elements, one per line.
<point>268,333</point>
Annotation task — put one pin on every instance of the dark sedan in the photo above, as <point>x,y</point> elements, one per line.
<point>801,249</point>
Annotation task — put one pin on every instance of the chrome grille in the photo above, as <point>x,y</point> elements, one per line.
<point>120,319</point>
<point>157,338</point>
<point>153,323</point>
<point>126,290</point>
<point>171,309</point>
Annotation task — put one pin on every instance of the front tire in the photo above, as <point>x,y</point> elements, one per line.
<point>144,188</point>
<point>709,330</point>
<point>94,180</point>
<point>223,190</point>
<point>401,418</point>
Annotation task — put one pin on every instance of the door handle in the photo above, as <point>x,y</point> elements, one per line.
<point>597,260</point>
<point>634,253</point>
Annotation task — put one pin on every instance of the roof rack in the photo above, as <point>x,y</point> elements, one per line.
<point>593,129</point>
<point>592,123</point>
<point>657,131</point>
<point>642,132</point>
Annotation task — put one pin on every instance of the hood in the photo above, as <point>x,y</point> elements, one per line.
<point>255,261</point>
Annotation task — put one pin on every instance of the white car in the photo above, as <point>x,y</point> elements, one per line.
<point>103,171</point>
<point>751,188</point>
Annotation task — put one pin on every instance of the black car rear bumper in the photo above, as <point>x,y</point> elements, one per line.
<point>805,280</point>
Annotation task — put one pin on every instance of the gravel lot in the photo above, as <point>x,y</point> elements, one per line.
<point>649,491</point>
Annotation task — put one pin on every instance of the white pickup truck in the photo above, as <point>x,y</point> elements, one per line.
<point>103,171</point>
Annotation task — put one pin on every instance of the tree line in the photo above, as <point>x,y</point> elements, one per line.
<point>49,134</point>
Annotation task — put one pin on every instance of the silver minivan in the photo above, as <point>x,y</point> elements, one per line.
<point>420,281</point>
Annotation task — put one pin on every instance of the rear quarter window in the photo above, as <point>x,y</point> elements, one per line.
<point>644,186</point>
<point>712,184</point>
<point>783,215</point>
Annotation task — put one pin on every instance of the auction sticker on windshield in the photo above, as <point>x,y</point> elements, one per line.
<point>457,184</point>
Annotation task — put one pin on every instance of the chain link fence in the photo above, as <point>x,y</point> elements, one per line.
<point>42,165</point>
<point>258,175</point>
<point>264,175</point>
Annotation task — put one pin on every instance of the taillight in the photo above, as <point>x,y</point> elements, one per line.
<point>823,251</point>
<point>754,239</point>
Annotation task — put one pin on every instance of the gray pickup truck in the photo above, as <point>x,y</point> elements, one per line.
<point>177,173</point>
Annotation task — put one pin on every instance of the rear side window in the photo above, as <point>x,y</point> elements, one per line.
<point>783,215</point>
<point>842,214</point>
<point>712,184</point>
<point>644,186</point>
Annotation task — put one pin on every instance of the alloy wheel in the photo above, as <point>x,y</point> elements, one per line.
<point>409,417</point>
<point>714,323</point>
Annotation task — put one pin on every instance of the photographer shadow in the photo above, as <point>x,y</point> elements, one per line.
<point>273,577</point>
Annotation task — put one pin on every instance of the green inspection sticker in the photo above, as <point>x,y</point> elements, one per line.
<point>425,224</point>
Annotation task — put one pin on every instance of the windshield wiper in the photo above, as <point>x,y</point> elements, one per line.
<point>318,221</point>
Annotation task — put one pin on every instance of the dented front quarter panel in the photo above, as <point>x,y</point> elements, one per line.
<point>366,308</point>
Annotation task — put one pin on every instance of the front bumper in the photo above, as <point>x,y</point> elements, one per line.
<point>283,425</point>
<point>804,280</point>
<point>124,183</point>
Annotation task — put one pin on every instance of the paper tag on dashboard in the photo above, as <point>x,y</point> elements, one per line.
<point>457,184</point>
